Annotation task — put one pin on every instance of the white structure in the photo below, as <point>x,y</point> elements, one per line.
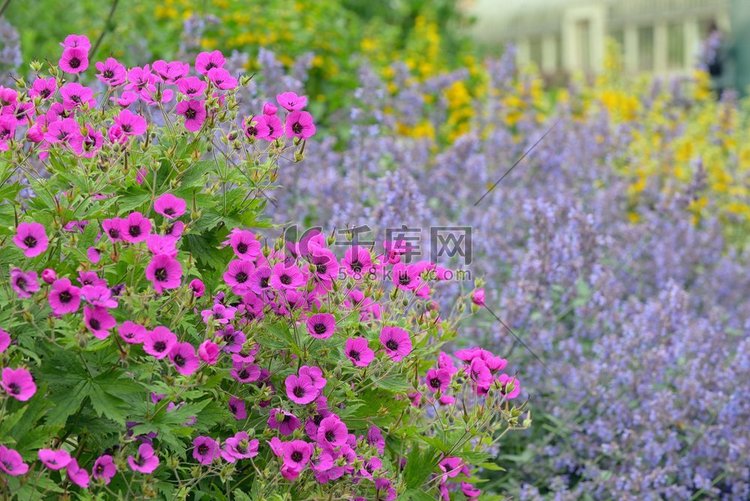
<point>566,36</point>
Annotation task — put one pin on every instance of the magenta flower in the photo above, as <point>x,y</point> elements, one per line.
<point>222,79</point>
<point>291,101</point>
<point>75,95</point>
<point>285,277</point>
<point>90,278</point>
<point>131,332</point>
<point>170,206</point>
<point>192,87</point>
<point>78,475</point>
<point>130,123</point>
<point>358,351</point>
<point>159,244</point>
<point>269,109</point>
<point>4,340</point>
<point>300,389</point>
<point>509,386</point>
<point>164,272</point>
<point>244,244</point>
<point>145,461</point>
<point>54,460</point>
<point>480,373</point>
<point>315,374</point>
<point>93,254</point>
<point>64,297</point>
<point>170,72</point>
<point>23,283</point>
<point>136,228</point>
<point>396,342</point>
<point>43,87</point>
<point>99,295</point>
<point>11,462</point>
<point>438,379</point>
<point>283,421</point>
<point>49,275</point>
<point>239,447</point>
<point>194,112</point>
<point>332,432</point>
<point>296,454</point>
<point>357,261</point>
<point>65,131</point>
<point>32,238</point>
<point>231,338</point>
<point>238,276</point>
<point>159,342</point>
<point>299,124</point>
<point>111,72</point>
<point>184,359</point>
<point>244,371</point>
<point>175,229</point>
<point>406,277</point>
<point>321,325</point>
<point>208,351</point>
<point>74,60</point>
<point>104,469</point>
<point>256,127</point>
<point>477,297</point>
<point>98,320</point>
<point>91,143</point>
<point>115,228</point>
<point>18,383</point>
<point>198,287</point>
<point>237,408</point>
<point>219,313</point>
<point>206,61</point>
<point>205,450</point>
<point>275,128</point>
<point>140,78</point>
<point>80,41</point>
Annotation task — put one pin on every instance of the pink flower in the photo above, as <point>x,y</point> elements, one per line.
<point>194,112</point>
<point>332,432</point>
<point>145,461</point>
<point>23,283</point>
<point>480,374</point>
<point>49,275</point>
<point>158,244</point>
<point>205,450</point>
<point>75,95</point>
<point>321,325</point>
<point>358,351</point>
<point>99,295</point>
<point>159,342</point>
<point>65,131</point>
<point>238,276</point>
<point>283,421</point>
<point>32,238</point>
<point>170,206</point>
<point>130,123</point>
<point>237,408</point>
<point>438,379</point>
<point>64,297</point>
<point>269,109</point>
<point>396,342</point>
<point>299,124</point>
<point>477,297</point>
<point>291,101</point>
<point>104,469</point>
<point>219,313</point>
<point>98,321</point>
<point>80,41</point>
<point>198,287</point>
<point>54,460</point>
<point>285,277</point>
<point>111,72</point>
<point>357,261</point>
<point>164,272</point>
<point>43,87</point>
<point>74,60</point>
<point>296,454</point>
<point>315,374</point>
<point>232,339</point>
<point>406,277</point>
<point>509,386</point>
<point>209,60</point>
<point>131,332</point>
<point>78,475</point>
<point>239,447</point>
<point>244,244</point>
<point>222,79</point>
<point>115,228</point>
<point>244,371</point>
<point>136,228</point>
<point>256,127</point>
<point>11,462</point>
<point>208,351</point>
<point>184,359</point>
<point>300,389</point>
<point>170,72</point>
<point>90,278</point>
<point>192,87</point>
<point>275,128</point>
<point>18,383</point>
<point>4,340</point>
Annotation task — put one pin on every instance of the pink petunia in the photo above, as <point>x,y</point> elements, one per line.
<point>24,284</point>
<point>159,342</point>
<point>315,374</point>
<point>300,389</point>
<point>115,228</point>
<point>205,61</point>
<point>396,342</point>
<point>296,454</point>
<point>145,461</point>
<point>11,462</point>
<point>184,359</point>
<point>54,460</point>
<point>75,95</point>
<point>291,101</point>
<point>244,244</point>
<point>358,351</point>
<point>170,206</point>
<point>275,128</point>
<point>357,261</point>
<point>299,124</point>
<point>438,379</point>
<point>98,321</point>
<point>285,422</point>
<point>164,272</point>
<point>31,238</point>
<point>205,450</point>
<point>194,112</point>
<point>321,325</point>
<point>74,60</point>
<point>18,383</point>
<point>64,297</point>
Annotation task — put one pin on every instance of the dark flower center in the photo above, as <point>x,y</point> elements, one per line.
<point>243,374</point>
<point>45,93</point>
<point>319,328</point>
<point>65,296</point>
<point>435,382</point>
<point>108,74</point>
<point>391,345</point>
<point>114,233</point>
<point>242,247</point>
<point>169,211</point>
<point>74,62</point>
<point>299,391</point>
<point>161,274</point>
<point>160,346</point>
<point>179,360</point>
<point>297,127</point>
<point>241,277</point>
<point>252,131</point>
<point>404,279</point>
<point>202,449</point>
<point>330,436</point>
<point>126,127</point>
<point>29,242</point>
<point>14,388</point>
<point>95,324</point>
<point>354,354</point>
<point>190,113</point>
<point>264,282</point>
<point>296,456</point>
<point>134,230</point>
<point>321,268</point>
<point>21,283</point>
<point>285,279</point>
<point>356,266</point>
